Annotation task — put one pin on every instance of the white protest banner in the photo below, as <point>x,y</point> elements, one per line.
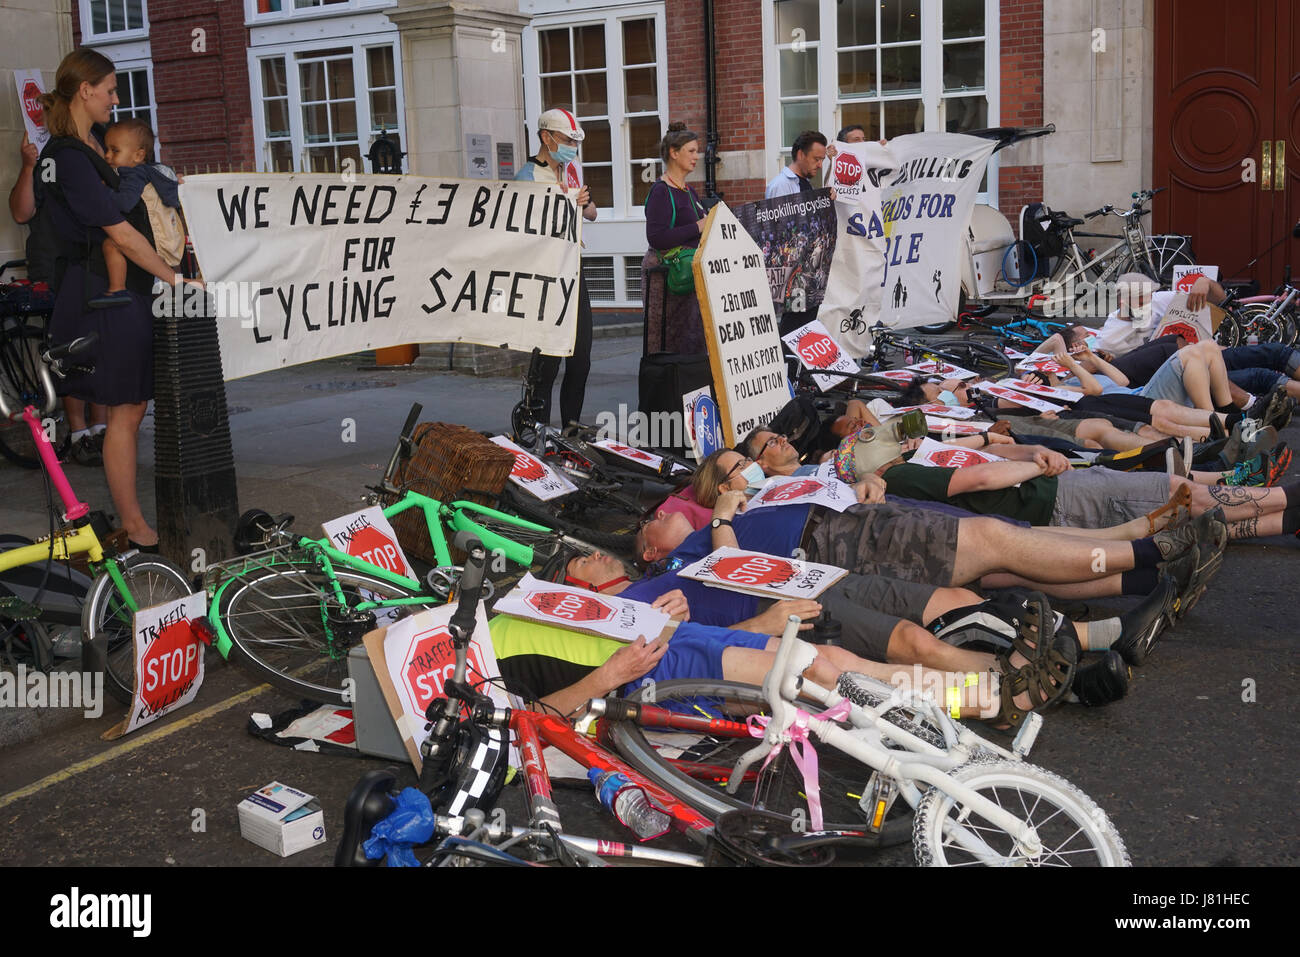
<point>804,490</point>
<point>168,661</point>
<point>414,658</point>
<point>639,456</point>
<point>941,455</point>
<point>757,573</point>
<point>583,610</point>
<point>1185,276</point>
<point>947,427</point>
<point>1038,389</point>
<point>304,266</point>
<point>533,475</point>
<point>1019,398</point>
<point>745,352</point>
<point>367,535</point>
<point>945,369</point>
<point>30,87</point>
<point>1043,363</point>
<point>851,302</point>
<point>926,208</point>
<point>818,351</point>
<point>1194,325</point>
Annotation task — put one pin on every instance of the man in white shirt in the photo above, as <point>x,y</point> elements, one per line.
<point>807,155</point>
<point>1142,309</point>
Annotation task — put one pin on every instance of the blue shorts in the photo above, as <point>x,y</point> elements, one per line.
<point>1167,383</point>
<point>695,651</point>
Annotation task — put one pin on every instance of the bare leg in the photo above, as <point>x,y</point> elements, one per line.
<point>1101,588</point>
<point>986,545</point>
<point>75,409</point>
<point>1107,436</point>
<point>911,644</point>
<point>1238,502</point>
<point>120,442</point>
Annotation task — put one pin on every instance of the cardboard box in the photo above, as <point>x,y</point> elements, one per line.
<point>282,819</point>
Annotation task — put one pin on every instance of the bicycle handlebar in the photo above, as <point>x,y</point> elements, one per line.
<point>461,625</point>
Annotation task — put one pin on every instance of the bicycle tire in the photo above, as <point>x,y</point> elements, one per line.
<point>1164,258</point>
<point>152,580</point>
<point>842,778</point>
<point>1253,318</point>
<point>265,609</point>
<point>1229,332</point>
<point>620,543</point>
<point>1068,812</point>
<point>20,361</point>
<point>972,356</point>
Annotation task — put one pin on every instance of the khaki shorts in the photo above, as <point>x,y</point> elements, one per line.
<point>1100,498</point>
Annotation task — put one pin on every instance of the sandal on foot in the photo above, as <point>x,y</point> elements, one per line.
<point>1046,681</point>
<point>1179,502</point>
<point>1032,619</point>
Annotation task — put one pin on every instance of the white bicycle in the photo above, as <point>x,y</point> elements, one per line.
<point>975,803</point>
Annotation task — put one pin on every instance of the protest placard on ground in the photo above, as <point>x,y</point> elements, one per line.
<point>818,352</point>
<point>1019,398</point>
<point>1043,391</point>
<point>367,534</point>
<point>804,490</point>
<point>757,573</point>
<point>533,475</point>
<point>942,455</point>
<point>168,661</point>
<point>583,610</point>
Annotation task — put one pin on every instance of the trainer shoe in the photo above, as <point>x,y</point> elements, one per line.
<point>1264,470</point>
<point>1248,439</point>
<point>1101,682</point>
<point>88,450</point>
<point>1144,623</point>
<point>1273,409</point>
<point>1173,542</point>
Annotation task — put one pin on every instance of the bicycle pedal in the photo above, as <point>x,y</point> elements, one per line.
<point>1027,735</point>
<point>880,795</point>
<point>16,609</point>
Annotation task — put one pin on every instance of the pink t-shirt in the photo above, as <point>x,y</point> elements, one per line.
<point>684,502</point>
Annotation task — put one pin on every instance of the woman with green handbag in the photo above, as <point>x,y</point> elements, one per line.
<point>674,219</point>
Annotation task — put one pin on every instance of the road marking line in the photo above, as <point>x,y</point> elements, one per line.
<point>148,737</point>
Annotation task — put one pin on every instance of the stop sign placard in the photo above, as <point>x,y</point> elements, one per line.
<point>169,666</point>
<point>373,546</point>
<point>818,350</point>
<point>957,458</point>
<point>753,570</point>
<point>848,169</point>
<point>430,661</point>
<point>1186,281</point>
<point>568,607</point>
<point>793,490</point>
<point>527,468</point>
<point>31,103</point>
<point>632,453</point>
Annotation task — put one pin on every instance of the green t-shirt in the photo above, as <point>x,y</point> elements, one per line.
<point>1031,501</point>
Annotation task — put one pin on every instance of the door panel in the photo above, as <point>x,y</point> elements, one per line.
<point>1286,203</point>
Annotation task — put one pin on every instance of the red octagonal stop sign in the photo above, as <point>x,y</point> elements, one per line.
<point>794,489</point>
<point>373,546</point>
<point>754,570</point>
<point>31,105</point>
<point>956,458</point>
<point>848,170</point>
<point>566,606</point>
<point>169,666</point>
<point>430,663</point>
<point>526,467</point>
<point>818,350</point>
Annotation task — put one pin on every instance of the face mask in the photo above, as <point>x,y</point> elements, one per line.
<point>564,153</point>
<point>948,398</point>
<point>753,475</point>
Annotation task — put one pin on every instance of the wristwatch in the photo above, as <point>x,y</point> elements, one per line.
<point>719,522</point>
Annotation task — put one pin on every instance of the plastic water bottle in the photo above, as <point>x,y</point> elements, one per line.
<point>1252,339</point>
<point>628,802</point>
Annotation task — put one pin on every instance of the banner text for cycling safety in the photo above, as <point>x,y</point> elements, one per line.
<point>326,266</point>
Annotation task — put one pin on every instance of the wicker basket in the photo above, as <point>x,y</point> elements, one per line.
<point>449,462</point>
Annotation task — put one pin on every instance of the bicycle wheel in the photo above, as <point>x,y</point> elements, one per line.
<point>1167,252</point>
<point>1073,830</point>
<point>972,356</point>
<point>151,580</point>
<point>779,789</point>
<point>1253,319</point>
<point>1229,333</point>
<point>274,615</point>
<point>20,382</point>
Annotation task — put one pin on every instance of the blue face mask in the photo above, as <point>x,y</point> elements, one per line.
<point>753,475</point>
<point>949,399</point>
<point>564,153</point>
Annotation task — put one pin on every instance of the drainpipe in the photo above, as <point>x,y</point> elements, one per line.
<point>711,194</point>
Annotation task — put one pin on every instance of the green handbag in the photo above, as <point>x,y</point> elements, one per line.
<point>681,275</point>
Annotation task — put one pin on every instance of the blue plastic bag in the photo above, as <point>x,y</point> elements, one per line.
<point>410,823</point>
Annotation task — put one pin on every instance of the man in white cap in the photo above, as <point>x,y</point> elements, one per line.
<point>1141,309</point>
<point>559,134</point>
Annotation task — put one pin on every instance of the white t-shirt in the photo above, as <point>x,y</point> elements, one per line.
<point>1124,335</point>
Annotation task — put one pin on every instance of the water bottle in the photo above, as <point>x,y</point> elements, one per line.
<point>1252,339</point>
<point>628,802</point>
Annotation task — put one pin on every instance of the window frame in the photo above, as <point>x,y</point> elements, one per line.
<point>830,102</point>
<point>254,18</point>
<point>90,38</point>
<point>360,69</point>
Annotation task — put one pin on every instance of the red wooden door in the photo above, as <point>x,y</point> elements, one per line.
<point>1219,96</point>
<point>1286,129</point>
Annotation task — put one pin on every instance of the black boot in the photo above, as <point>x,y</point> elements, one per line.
<point>1103,681</point>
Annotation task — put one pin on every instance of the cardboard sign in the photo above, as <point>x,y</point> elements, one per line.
<point>414,658</point>
<point>639,456</point>
<point>30,87</point>
<point>582,610</point>
<point>1043,363</point>
<point>817,351</point>
<point>804,490</point>
<point>757,573</point>
<point>367,535</point>
<point>168,661</point>
<point>703,424</point>
<point>1192,325</point>
<point>902,376</point>
<point>941,455</point>
<point>745,354</point>
<point>947,427</point>
<point>1019,398</point>
<point>942,369</point>
<point>573,175</point>
<point>1037,388</point>
<point>533,475</point>
<point>1185,276</point>
<point>944,411</point>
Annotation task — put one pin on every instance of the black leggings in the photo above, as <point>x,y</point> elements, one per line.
<point>576,368</point>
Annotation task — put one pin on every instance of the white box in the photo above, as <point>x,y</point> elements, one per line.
<point>282,819</point>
